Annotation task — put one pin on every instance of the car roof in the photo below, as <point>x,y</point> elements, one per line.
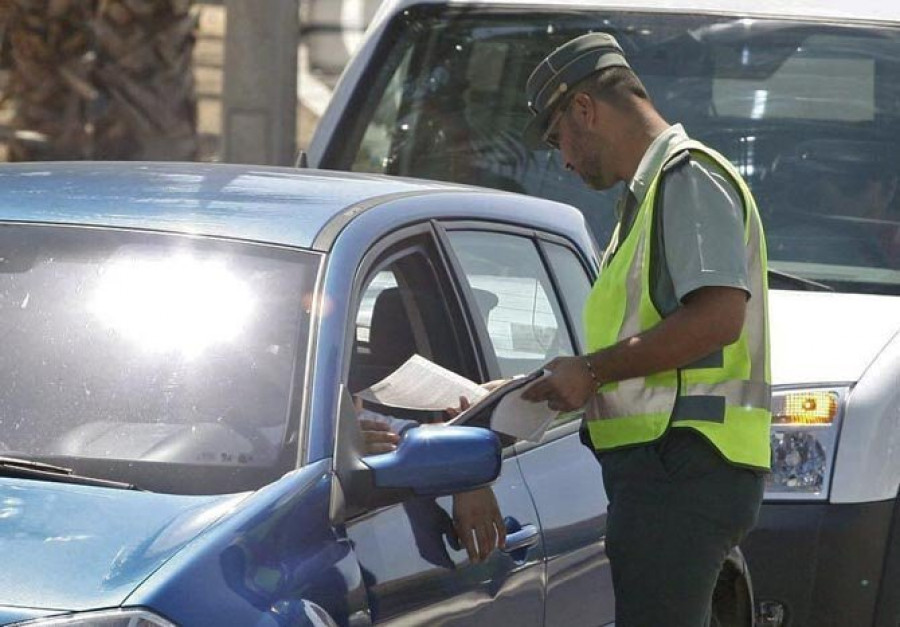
<point>282,206</point>
<point>861,10</point>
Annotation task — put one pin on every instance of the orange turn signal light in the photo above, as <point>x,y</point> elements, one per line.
<point>805,408</point>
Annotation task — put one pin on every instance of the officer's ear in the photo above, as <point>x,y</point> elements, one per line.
<point>582,108</point>
<point>588,111</point>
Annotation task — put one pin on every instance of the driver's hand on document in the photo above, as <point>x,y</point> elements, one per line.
<point>453,412</point>
<point>464,404</point>
<point>490,386</point>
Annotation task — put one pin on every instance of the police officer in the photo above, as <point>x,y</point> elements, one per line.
<point>675,384</point>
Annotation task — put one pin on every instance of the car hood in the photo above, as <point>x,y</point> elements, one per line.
<point>72,547</point>
<point>824,337</point>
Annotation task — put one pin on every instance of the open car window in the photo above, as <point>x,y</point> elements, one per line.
<point>808,112</point>
<point>404,310</point>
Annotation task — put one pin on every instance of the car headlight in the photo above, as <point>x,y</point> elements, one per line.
<point>805,427</point>
<point>106,618</point>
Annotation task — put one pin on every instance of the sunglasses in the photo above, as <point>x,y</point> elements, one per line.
<point>551,135</point>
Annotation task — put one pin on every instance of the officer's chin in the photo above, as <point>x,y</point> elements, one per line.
<point>596,183</point>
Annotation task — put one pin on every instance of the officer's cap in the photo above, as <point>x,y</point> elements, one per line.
<point>560,70</point>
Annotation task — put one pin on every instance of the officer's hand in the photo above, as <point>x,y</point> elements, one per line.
<point>569,386</point>
<point>478,523</point>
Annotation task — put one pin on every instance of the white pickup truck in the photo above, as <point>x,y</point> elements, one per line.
<point>804,98</point>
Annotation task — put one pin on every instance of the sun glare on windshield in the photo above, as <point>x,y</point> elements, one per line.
<point>178,304</point>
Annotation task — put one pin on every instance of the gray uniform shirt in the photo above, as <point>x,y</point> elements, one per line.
<point>699,225</point>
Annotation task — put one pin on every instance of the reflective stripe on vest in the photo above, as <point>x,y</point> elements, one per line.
<point>726,396</point>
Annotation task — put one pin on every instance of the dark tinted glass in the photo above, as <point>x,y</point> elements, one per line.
<point>808,112</point>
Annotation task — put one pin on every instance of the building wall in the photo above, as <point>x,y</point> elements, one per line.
<point>330,32</point>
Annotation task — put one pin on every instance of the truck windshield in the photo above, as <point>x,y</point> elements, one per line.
<point>808,112</point>
<point>158,360</point>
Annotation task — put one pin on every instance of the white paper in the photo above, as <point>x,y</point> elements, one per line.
<point>509,413</point>
<point>520,418</point>
<point>422,385</point>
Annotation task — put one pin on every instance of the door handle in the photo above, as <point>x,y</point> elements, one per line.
<point>524,537</point>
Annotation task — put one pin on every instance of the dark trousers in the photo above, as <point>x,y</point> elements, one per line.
<point>676,509</point>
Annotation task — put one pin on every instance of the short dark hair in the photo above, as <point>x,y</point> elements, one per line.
<point>615,85</point>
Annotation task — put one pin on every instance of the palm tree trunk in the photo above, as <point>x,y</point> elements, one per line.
<point>48,51</point>
<point>101,79</point>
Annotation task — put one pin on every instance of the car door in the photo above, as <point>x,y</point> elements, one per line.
<point>541,283</point>
<point>413,572</point>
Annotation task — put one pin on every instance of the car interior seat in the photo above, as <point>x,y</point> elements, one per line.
<point>391,341</point>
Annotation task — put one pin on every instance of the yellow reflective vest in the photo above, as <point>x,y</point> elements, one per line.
<point>725,396</point>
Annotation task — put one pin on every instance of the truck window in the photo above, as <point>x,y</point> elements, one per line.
<point>808,112</point>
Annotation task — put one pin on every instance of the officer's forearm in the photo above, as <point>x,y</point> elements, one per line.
<point>710,319</point>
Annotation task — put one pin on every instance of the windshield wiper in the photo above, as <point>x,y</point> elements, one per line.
<point>799,281</point>
<point>28,469</point>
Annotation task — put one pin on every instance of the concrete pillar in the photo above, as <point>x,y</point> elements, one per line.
<point>259,101</point>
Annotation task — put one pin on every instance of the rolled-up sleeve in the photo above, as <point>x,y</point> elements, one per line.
<point>703,229</point>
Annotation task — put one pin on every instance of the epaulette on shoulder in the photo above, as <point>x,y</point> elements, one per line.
<point>677,161</point>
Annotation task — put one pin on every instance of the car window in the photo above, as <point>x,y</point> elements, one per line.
<point>515,298</point>
<point>574,285</point>
<point>808,112</point>
<point>140,356</point>
<point>403,311</point>
<point>379,283</point>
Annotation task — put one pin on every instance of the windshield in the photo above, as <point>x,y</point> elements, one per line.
<point>808,112</point>
<point>158,360</point>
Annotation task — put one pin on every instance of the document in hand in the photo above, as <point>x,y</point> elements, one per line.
<point>420,384</point>
<point>509,413</point>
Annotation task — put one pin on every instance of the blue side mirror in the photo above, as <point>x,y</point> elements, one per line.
<point>438,460</point>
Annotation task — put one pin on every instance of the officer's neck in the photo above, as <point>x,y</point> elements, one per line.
<point>637,134</point>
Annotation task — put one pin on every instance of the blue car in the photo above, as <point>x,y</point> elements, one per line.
<point>178,439</point>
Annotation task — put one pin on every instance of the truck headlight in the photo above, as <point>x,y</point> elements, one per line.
<point>106,618</point>
<point>805,427</point>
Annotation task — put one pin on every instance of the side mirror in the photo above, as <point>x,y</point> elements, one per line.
<point>436,460</point>
<point>429,461</point>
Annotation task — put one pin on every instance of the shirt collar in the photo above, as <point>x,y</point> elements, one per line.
<point>653,160</point>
